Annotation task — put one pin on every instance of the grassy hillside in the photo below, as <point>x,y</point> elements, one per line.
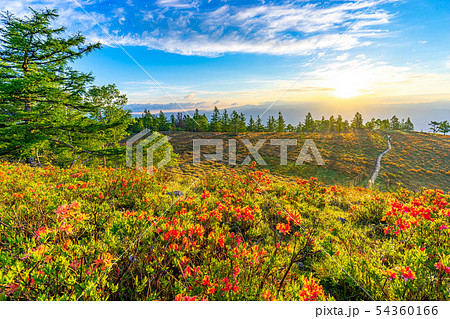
<point>416,160</point>
<point>116,234</point>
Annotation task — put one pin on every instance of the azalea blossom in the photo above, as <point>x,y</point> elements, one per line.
<point>311,291</point>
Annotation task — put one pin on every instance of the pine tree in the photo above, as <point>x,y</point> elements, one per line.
<point>41,96</point>
<point>163,123</point>
<point>331,124</point>
<point>357,122</point>
<point>270,127</point>
<point>408,125</point>
<point>309,125</point>
<point>225,121</point>
<point>444,127</point>
<point>290,128</point>
<point>346,125</point>
<point>385,124</point>
<point>323,124</point>
<point>340,124</point>
<point>280,123</point>
<point>215,125</point>
<point>371,124</point>
<point>251,125</point>
<point>259,125</point>
<point>180,121</point>
<point>434,126</point>
<point>173,121</point>
<point>235,122</point>
<point>395,123</point>
<point>242,127</point>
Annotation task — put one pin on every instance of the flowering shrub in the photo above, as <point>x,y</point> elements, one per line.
<point>117,234</point>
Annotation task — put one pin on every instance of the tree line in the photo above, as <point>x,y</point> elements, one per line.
<point>439,127</point>
<point>238,122</point>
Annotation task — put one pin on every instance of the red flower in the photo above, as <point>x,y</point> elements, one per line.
<point>407,273</point>
<point>206,195</point>
<point>206,281</point>
<point>235,287</point>
<point>68,229</point>
<point>391,274</point>
<point>283,228</point>
<point>311,291</point>
<point>221,242</point>
<point>187,272</point>
<point>226,281</point>
<point>180,297</point>
<point>236,270</point>
<point>41,232</point>
<point>441,267</point>
<point>268,296</point>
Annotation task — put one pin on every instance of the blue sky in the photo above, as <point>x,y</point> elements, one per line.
<point>367,54</point>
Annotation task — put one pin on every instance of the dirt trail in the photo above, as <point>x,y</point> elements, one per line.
<point>378,166</point>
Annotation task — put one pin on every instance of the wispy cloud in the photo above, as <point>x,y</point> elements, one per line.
<point>177,3</point>
<point>295,29</point>
<point>211,28</point>
<point>190,96</point>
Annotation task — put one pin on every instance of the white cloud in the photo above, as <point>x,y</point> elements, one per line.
<point>205,46</point>
<point>189,96</point>
<point>179,26</point>
<point>182,27</point>
<point>180,4</point>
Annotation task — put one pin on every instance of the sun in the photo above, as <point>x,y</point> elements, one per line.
<point>350,84</point>
<point>346,92</point>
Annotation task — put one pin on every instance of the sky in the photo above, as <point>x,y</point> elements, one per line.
<point>379,57</point>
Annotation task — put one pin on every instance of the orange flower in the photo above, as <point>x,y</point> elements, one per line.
<point>407,273</point>
<point>283,228</point>
<point>128,213</point>
<point>68,229</point>
<point>391,274</point>
<point>107,260</point>
<point>211,290</point>
<point>311,291</point>
<point>206,195</point>
<point>268,296</point>
<point>221,241</point>
<point>41,232</point>
<point>81,217</point>
<point>206,281</point>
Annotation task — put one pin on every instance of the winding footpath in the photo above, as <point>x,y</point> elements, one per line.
<point>378,167</point>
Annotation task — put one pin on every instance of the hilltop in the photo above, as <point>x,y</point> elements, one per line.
<point>416,159</point>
